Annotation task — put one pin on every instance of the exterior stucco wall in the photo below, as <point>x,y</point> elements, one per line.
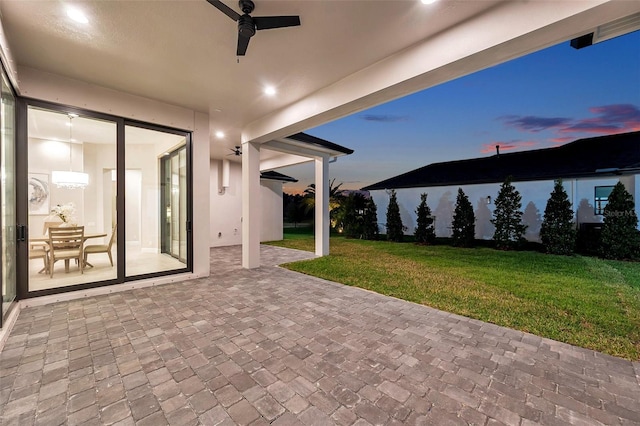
<point>534,194</point>
<point>226,207</point>
<point>272,221</point>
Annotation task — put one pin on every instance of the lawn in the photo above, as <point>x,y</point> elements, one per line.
<point>583,301</point>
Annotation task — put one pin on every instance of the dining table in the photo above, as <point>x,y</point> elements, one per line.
<point>45,239</point>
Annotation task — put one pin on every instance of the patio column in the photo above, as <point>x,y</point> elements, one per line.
<point>250,205</point>
<point>322,205</point>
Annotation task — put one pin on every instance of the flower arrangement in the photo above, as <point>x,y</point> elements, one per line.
<point>65,212</point>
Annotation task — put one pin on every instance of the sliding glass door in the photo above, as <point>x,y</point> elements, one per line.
<point>174,199</point>
<point>71,182</point>
<point>124,185</point>
<point>8,197</point>
<point>155,200</point>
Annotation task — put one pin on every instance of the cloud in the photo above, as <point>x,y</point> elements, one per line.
<point>384,118</point>
<point>608,120</point>
<point>490,147</point>
<point>530,123</point>
<point>561,140</point>
<point>617,118</point>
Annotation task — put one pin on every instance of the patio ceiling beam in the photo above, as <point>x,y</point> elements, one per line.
<point>283,160</point>
<point>510,30</point>
<point>288,148</point>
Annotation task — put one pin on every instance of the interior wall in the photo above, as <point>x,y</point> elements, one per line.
<point>49,87</point>
<point>44,157</point>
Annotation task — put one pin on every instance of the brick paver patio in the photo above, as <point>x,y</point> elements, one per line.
<point>272,346</point>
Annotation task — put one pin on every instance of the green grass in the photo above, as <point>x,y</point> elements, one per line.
<point>583,301</point>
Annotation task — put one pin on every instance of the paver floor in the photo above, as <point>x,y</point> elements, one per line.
<point>272,346</point>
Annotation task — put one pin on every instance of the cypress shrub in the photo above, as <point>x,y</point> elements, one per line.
<point>395,228</point>
<point>558,233</point>
<point>507,218</point>
<point>464,221</point>
<point>620,236</point>
<point>370,229</point>
<point>424,232</point>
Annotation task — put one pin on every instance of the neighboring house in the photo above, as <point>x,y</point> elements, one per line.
<point>589,168</point>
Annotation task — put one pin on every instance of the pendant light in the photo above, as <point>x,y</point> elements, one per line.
<point>70,179</point>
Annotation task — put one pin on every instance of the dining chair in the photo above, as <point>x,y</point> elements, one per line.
<point>66,243</point>
<point>101,248</point>
<point>40,251</point>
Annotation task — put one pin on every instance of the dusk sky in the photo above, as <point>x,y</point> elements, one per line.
<point>542,100</point>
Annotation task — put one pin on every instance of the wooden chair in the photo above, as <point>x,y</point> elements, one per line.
<point>101,248</point>
<point>40,251</point>
<point>66,243</point>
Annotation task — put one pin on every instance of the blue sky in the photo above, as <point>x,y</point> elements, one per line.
<point>538,101</point>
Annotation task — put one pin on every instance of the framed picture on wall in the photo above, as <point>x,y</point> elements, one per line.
<point>39,193</point>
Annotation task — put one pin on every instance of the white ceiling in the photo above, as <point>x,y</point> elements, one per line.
<point>182,52</point>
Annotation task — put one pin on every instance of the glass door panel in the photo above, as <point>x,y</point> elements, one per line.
<point>153,196</point>
<point>8,196</point>
<point>71,183</point>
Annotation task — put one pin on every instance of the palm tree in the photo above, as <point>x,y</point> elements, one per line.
<point>335,198</point>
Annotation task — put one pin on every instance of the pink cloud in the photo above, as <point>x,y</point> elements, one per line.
<point>490,147</point>
<point>561,140</point>
<point>605,120</point>
<point>610,119</point>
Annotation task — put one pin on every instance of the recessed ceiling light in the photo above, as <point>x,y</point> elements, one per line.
<point>269,90</point>
<point>77,15</point>
<point>219,134</point>
<point>428,1</point>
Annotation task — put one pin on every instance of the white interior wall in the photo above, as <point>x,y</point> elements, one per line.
<point>49,87</point>
<point>44,157</point>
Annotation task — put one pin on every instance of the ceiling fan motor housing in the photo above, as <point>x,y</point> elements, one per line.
<point>246,26</point>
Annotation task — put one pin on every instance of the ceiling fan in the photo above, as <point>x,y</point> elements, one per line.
<point>247,25</point>
<point>237,151</point>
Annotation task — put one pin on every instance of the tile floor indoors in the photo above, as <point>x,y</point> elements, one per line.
<point>272,346</point>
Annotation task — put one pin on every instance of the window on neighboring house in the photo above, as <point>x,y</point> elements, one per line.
<point>602,198</point>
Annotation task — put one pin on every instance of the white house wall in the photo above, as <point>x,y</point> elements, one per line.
<point>442,199</point>
<point>226,207</point>
<point>272,221</point>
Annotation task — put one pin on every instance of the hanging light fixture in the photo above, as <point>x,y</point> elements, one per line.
<point>70,179</point>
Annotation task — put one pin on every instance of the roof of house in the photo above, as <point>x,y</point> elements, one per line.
<point>271,175</point>
<point>313,140</point>
<point>613,154</point>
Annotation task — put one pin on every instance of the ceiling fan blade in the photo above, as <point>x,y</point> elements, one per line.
<point>225,9</point>
<point>243,43</point>
<point>269,22</point>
